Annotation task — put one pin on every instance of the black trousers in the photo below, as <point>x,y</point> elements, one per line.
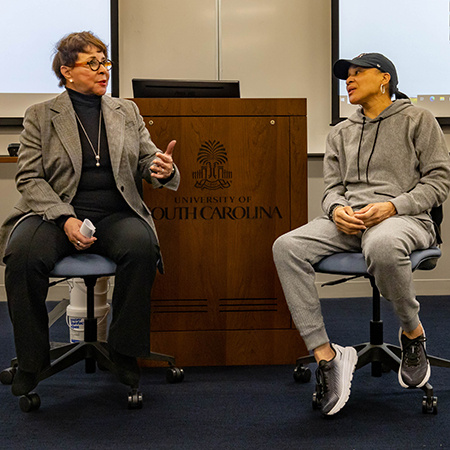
<point>32,252</point>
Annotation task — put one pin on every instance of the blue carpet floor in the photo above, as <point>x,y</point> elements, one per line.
<point>255,407</point>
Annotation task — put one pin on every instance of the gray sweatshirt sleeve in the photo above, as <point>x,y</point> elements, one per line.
<point>334,193</point>
<point>434,168</point>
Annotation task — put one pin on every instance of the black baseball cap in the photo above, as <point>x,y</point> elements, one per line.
<point>367,60</point>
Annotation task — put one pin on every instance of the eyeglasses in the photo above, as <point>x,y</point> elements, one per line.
<point>95,64</point>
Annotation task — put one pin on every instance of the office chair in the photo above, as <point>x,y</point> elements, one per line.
<point>382,356</point>
<point>89,267</point>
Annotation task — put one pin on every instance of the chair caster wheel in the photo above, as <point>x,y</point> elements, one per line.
<point>135,399</point>
<point>29,402</point>
<point>429,405</point>
<point>302,374</point>
<point>7,375</point>
<point>174,375</point>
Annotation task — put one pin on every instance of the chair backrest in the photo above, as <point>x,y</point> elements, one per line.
<point>437,215</point>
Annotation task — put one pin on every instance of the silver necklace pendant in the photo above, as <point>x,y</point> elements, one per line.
<point>96,153</point>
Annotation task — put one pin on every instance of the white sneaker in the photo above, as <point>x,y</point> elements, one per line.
<point>334,379</point>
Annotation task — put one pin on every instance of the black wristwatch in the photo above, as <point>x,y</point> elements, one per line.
<point>331,211</point>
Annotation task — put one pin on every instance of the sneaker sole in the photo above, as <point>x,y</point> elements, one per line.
<point>350,360</point>
<point>400,379</point>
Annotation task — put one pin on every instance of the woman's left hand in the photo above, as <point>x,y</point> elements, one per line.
<point>162,166</point>
<point>374,213</point>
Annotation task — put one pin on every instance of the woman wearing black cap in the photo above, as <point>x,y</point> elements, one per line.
<point>384,169</point>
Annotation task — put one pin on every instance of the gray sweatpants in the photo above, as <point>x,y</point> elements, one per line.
<point>386,248</point>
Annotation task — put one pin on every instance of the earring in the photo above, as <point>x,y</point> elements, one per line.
<point>383,89</point>
<point>71,80</point>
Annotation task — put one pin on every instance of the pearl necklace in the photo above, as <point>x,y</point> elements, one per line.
<point>96,153</point>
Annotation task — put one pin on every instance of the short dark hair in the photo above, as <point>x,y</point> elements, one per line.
<point>68,48</point>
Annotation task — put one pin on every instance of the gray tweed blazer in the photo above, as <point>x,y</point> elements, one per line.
<point>50,160</point>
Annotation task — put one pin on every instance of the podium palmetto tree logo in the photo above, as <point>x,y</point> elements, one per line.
<point>212,157</point>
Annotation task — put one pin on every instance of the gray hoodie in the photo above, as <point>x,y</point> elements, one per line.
<point>400,156</point>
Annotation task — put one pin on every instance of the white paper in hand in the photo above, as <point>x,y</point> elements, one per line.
<point>87,228</point>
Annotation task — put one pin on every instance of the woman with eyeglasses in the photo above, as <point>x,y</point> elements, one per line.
<point>83,155</point>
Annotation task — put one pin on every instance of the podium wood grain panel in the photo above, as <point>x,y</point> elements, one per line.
<point>185,107</point>
<point>242,168</point>
<point>229,347</point>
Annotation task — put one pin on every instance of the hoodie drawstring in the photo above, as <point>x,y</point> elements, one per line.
<point>373,148</point>
<point>359,146</point>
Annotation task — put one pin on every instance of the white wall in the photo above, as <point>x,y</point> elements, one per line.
<point>276,48</point>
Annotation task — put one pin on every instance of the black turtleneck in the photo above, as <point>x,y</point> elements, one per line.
<point>97,195</point>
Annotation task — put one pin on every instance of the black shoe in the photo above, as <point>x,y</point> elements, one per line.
<point>334,379</point>
<point>414,368</point>
<point>24,382</point>
<point>126,368</point>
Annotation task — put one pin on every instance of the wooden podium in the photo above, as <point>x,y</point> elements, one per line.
<point>243,167</point>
